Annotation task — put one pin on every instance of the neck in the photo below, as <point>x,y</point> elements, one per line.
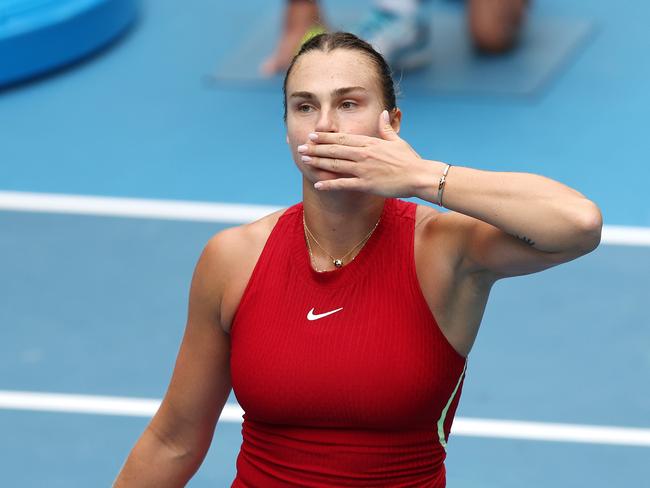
<point>339,219</point>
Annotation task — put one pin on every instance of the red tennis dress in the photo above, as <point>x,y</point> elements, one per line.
<point>344,376</point>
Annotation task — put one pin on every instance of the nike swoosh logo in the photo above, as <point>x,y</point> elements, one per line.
<point>315,316</point>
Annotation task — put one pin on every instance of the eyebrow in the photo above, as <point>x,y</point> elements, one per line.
<point>339,92</point>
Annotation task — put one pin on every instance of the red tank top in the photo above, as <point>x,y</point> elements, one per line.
<point>344,376</point>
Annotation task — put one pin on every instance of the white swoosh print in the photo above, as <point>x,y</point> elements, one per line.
<point>315,316</point>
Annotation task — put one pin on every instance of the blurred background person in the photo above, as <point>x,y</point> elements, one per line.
<point>401,29</point>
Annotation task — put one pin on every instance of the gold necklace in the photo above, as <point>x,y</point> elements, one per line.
<point>336,262</point>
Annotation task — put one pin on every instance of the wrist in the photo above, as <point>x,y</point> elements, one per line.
<point>428,180</point>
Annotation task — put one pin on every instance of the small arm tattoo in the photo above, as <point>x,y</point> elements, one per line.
<point>528,241</point>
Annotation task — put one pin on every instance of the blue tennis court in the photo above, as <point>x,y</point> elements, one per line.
<point>117,169</point>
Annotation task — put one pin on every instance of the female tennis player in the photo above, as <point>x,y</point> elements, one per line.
<point>343,323</point>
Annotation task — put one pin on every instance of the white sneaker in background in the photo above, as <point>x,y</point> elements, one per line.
<point>404,41</point>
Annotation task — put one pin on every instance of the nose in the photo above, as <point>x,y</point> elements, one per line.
<point>327,121</point>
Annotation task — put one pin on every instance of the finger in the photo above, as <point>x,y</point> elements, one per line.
<point>340,184</point>
<point>332,164</point>
<point>385,128</point>
<point>331,151</point>
<point>355,140</point>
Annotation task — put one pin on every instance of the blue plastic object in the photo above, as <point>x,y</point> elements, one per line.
<point>37,36</point>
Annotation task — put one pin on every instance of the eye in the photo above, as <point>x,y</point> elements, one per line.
<point>304,108</point>
<point>348,104</point>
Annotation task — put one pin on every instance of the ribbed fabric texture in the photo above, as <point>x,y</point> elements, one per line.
<point>353,398</point>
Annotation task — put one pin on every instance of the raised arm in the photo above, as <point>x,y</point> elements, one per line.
<point>508,223</point>
<point>511,224</point>
<point>174,444</point>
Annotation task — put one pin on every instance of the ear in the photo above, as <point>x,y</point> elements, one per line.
<point>396,119</point>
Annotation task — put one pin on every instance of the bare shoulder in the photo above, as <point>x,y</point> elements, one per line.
<point>235,252</point>
<point>229,245</point>
<point>436,246</point>
<point>437,230</point>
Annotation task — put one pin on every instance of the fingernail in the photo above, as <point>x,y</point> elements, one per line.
<point>384,114</point>
<point>305,158</point>
<point>313,136</point>
<point>302,148</point>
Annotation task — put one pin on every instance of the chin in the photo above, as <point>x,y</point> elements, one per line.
<point>313,175</point>
<point>328,174</point>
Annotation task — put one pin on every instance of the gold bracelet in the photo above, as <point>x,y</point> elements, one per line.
<point>441,184</point>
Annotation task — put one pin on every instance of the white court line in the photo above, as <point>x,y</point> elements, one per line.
<point>230,213</point>
<point>462,426</point>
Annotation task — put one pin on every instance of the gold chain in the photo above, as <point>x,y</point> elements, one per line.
<point>311,256</point>
<point>337,262</point>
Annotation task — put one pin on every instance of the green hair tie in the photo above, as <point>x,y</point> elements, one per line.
<point>313,31</point>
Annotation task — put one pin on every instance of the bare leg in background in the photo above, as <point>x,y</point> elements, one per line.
<point>495,24</point>
<point>299,17</point>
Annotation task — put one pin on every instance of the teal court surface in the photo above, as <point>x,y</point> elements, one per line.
<point>116,170</point>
